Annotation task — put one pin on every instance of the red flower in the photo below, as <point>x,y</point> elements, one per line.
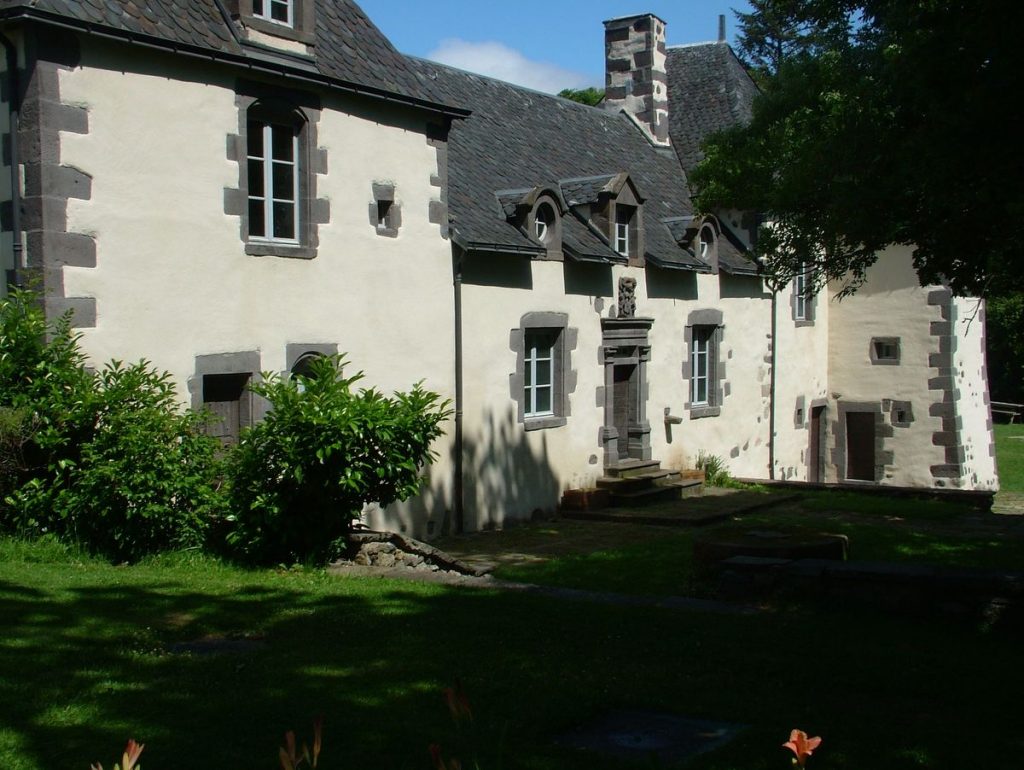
<point>801,745</point>
<point>131,754</point>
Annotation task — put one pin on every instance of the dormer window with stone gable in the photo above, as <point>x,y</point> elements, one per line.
<point>292,20</point>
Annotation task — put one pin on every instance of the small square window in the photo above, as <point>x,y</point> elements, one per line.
<point>885,350</point>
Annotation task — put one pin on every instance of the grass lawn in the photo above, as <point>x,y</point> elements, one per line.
<point>879,529</point>
<point>1010,457</point>
<point>84,665</point>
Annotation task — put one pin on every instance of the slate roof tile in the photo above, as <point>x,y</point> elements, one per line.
<point>708,91</point>
<point>518,139</point>
<point>349,47</point>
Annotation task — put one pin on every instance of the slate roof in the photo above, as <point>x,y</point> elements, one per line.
<point>518,139</point>
<point>349,48</point>
<point>708,90</point>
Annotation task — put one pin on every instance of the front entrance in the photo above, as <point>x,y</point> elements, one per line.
<point>626,407</point>
<point>815,460</point>
<point>625,351</point>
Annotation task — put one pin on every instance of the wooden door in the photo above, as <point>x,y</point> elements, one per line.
<point>625,405</point>
<point>860,446</point>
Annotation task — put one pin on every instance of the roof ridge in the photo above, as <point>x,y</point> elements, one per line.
<point>525,89</point>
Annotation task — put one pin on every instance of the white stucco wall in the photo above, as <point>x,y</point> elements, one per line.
<point>172,280</point>
<point>893,304</point>
<point>974,410</point>
<point>512,471</point>
<point>801,381</point>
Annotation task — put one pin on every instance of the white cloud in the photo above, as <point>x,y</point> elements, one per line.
<point>497,60</point>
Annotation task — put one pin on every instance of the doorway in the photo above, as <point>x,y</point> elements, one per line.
<point>816,464</point>
<point>860,446</point>
<point>626,407</point>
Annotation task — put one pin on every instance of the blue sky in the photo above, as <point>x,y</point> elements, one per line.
<point>543,44</point>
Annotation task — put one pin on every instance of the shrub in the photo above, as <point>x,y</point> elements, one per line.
<point>106,460</point>
<point>300,478</point>
<point>716,473</point>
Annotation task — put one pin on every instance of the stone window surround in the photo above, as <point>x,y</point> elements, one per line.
<point>244,362</point>
<point>563,377</point>
<point>717,387</point>
<point>384,192</point>
<point>906,407</point>
<point>883,431</point>
<point>302,30</point>
<point>810,305</point>
<point>873,352</point>
<point>272,103</point>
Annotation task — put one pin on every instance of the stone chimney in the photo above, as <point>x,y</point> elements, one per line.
<point>636,79</point>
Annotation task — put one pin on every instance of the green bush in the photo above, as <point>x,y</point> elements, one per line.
<point>106,459</point>
<point>300,478</point>
<point>716,473</point>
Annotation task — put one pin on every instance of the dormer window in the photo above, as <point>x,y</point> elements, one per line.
<point>544,222</point>
<point>277,11</point>
<point>624,216</point>
<point>707,243</point>
<point>277,23</point>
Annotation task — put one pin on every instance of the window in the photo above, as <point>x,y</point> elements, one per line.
<point>273,157</point>
<point>885,350</point>
<point>277,11</point>
<point>623,226</point>
<point>538,375</point>
<point>800,295</point>
<point>707,242</point>
<point>543,378</point>
<point>701,359</point>
<point>803,297</point>
<point>703,365</point>
<point>544,222</point>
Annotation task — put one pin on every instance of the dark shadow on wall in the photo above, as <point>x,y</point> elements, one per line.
<point>505,477</point>
<point>508,271</point>
<point>741,287</point>
<point>588,280</point>
<point>505,480</point>
<point>671,284</point>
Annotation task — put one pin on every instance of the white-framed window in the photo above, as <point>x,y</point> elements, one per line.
<point>539,373</point>
<point>800,294</point>
<point>623,220</point>
<point>701,357</point>
<point>277,11</point>
<point>707,241</point>
<point>544,222</point>
<point>273,182</point>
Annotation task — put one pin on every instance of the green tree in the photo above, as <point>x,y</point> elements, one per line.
<point>1005,339</point>
<point>903,131</point>
<point>777,30</point>
<point>302,476</point>
<point>591,96</point>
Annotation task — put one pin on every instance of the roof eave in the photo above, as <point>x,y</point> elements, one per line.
<point>261,65</point>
